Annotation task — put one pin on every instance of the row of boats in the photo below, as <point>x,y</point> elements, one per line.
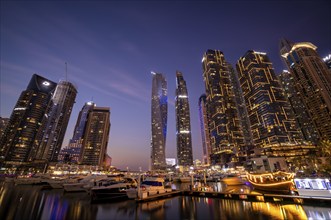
<point>103,187</point>
<point>100,187</point>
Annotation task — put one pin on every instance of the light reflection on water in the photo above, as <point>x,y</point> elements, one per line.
<point>30,202</point>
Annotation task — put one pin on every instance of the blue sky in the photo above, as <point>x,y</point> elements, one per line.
<point>111,48</point>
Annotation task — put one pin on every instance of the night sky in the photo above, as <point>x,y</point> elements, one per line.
<point>111,48</point>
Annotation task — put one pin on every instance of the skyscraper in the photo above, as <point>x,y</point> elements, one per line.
<point>26,120</point>
<point>301,114</point>
<point>159,121</point>
<point>312,82</point>
<point>270,115</point>
<point>96,135</point>
<point>226,135</point>
<point>76,142</point>
<point>183,123</point>
<point>56,122</point>
<point>242,113</point>
<point>205,136</point>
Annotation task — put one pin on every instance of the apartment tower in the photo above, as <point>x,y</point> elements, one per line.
<point>205,136</point>
<point>26,120</point>
<point>96,135</point>
<point>312,82</point>
<point>56,122</point>
<point>183,123</point>
<point>226,137</point>
<point>271,118</point>
<point>159,110</point>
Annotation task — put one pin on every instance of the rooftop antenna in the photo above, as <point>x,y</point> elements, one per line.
<point>66,72</point>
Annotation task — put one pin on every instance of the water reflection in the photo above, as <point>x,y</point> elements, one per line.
<point>31,202</point>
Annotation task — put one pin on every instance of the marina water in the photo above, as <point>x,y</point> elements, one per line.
<point>34,202</point>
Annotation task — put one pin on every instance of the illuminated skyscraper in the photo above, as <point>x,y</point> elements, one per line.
<point>226,137</point>
<point>270,115</point>
<point>242,113</point>
<point>312,82</point>
<point>183,123</point>
<point>301,114</point>
<point>26,120</point>
<point>56,122</point>
<point>75,144</point>
<point>205,136</point>
<point>159,121</point>
<point>96,135</point>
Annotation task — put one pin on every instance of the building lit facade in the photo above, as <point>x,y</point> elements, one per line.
<point>26,120</point>
<point>75,144</point>
<point>312,82</point>
<point>242,114</point>
<point>205,136</point>
<point>273,126</point>
<point>96,135</point>
<point>55,124</point>
<point>226,137</point>
<point>183,123</point>
<point>3,125</point>
<point>159,110</point>
<point>301,114</point>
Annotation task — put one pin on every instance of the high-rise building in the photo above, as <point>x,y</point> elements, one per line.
<point>205,136</point>
<point>242,112</point>
<point>96,135</point>
<point>226,135</point>
<point>76,142</point>
<point>3,125</point>
<point>272,122</point>
<point>301,114</point>
<point>183,123</point>
<point>55,124</point>
<point>159,121</point>
<point>312,82</point>
<point>26,120</point>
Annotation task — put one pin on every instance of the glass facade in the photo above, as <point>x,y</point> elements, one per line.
<point>26,120</point>
<point>270,115</point>
<point>183,123</point>
<point>301,114</point>
<point>56,122</point>
<point>96,137</point>
<point>312,82</point>
<point>226,137</point>
<point>159,110</point>
<point>205,136</point>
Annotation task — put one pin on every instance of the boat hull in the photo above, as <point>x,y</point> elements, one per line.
<point>109,195</point>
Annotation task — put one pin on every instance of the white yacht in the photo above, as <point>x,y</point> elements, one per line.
<point>83,184</point>
<point>150,186</point>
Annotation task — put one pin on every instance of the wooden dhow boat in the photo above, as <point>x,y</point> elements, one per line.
<point>278,182</point>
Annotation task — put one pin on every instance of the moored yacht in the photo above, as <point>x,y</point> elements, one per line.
<point>113,192</point>
<point>150,186</point>
<point>87,182</point>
